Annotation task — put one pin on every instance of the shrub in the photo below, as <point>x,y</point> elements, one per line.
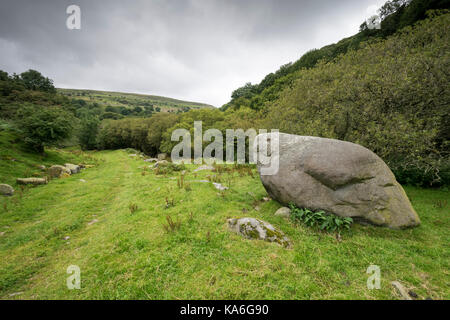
<point>171,225</point>
<point>43,126</point>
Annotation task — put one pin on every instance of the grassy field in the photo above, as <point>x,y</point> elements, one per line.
<point>131,100</point>
<point>129,255</point>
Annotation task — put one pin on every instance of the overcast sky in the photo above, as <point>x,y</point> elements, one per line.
<point>198,50</point>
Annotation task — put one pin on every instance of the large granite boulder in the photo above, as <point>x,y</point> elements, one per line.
<point>256,229</point>
<point>58,171</point>
<point>6,190</point>
<point>339,177</point>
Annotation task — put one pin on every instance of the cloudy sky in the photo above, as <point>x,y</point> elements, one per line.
<point>198,50</point>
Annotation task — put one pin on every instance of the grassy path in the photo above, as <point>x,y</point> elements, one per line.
<point>125,255</point>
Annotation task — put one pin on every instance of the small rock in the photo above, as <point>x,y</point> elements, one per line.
<point>413,294</point>
<point>66,238</point>
<point>283,212</point>
<point>74,169</point>
<point>58,171</point>
<point>15,294</point>
<point>157,164</point>
<point>42,167</point>
<point>82,180</point>
<point>401,290</point>
<point>204,167</point>
<point>266,199</point>
<point>32,181</point>
<point>2,234</point>
<point>151,160</point>
<point>257,208</point>
<point>252,228</point>
<point>6,190</point>
<point>219,187</point>
<point>133,155</point>
<point>92,222</point>
<point>162,156</point>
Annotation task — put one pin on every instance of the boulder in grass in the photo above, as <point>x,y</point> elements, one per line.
<point>256,229</point>
<point>58,171</point>
<point>339,177</point>
<point>204,167</point>
<point>283,212</point>
<point>162,156</point>
<point>31,181</point>
<point>6,190</point>
<point>74,169</point>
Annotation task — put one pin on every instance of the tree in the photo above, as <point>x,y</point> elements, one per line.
<point>34,80</point>
<point>43,126</point>
<point>88,132</point>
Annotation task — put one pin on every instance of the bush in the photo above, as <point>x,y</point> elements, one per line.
<point>42,126</point>
<point>87,135</point>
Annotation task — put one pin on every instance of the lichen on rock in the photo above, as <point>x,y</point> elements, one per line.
<point>256,229</point>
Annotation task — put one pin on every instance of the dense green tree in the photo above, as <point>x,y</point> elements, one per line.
<point>34,80</point>
<point>88,132</point>
<point>43,126</point>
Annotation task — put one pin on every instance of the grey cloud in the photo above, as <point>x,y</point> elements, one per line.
<point>190,49</point>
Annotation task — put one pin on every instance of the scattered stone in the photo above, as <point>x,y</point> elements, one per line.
<point>338,177</point>
<point>15,294</point>
<point>252,228</point>
<point>401,290</point>
<point>412,294</point>
<point>88,166</point>
<point>157,164</point>
<point>6,190</point>
<point>151,160</point>
<point>66,238</point>
<point>32,181</point>
<point>58,171</point>
<point>133,155</point>
<point>204,167</point>
<point>42,167</point>
<point>219,187</point>
<point>162,156</point>
<point>2,234</point>
<point>266,199</point>
<point>283,212</point>
<point>92,222</point>
<point>82,180</point>
<point>74,169</point>
<point>257,208</point>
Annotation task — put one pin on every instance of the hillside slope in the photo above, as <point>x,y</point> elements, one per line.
<point>395,15</point>
<point>132,100</point>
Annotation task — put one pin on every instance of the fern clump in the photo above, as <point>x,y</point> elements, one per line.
<point>320,219</point>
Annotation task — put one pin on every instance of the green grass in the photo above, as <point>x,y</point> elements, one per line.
<point>128,254</point>
<point>121,99</point>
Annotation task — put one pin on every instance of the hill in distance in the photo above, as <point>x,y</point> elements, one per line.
<point>132,100</point>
